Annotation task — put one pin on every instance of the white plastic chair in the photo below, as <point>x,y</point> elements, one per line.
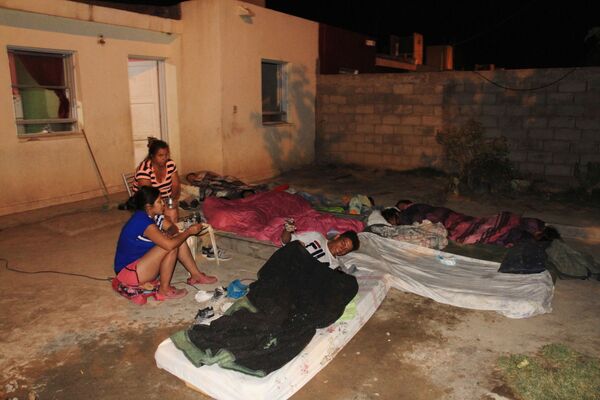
<point>128,180</point>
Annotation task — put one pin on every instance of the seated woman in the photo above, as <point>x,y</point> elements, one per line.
<point>504,229</point>
<point>159,171</point>
<point>145,250</point>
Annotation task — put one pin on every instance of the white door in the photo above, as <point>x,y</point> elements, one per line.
<point>144,98</point>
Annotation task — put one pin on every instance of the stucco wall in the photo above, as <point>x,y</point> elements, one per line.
<point>221,77</point>
<point>200,85</point>
<point>38,172</point>
<point>390,120</point>
<point>213,88</point>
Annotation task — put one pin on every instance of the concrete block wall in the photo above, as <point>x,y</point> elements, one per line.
<point>391,120</point>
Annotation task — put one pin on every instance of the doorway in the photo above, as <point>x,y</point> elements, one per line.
<point>147,104</point>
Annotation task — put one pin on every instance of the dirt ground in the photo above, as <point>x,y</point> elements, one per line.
<point>66,337</point>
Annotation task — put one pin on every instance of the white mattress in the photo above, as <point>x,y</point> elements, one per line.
<point>226,384</point>
<point>470,283</point>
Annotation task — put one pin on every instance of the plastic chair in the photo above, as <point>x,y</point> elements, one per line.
<point>128,180</point>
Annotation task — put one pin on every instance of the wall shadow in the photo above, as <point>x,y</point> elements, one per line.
<point>289,145</point>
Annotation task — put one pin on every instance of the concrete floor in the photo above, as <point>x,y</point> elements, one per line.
<point>66,337</point>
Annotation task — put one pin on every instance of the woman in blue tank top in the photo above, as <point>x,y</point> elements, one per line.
<point>149,245</point>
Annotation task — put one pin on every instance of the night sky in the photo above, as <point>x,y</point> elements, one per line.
<point>509,33</point>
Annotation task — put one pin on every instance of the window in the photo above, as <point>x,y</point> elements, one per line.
<point>42,91</point>
<point>274,93</point>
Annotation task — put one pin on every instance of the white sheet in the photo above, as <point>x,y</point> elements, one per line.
<point>281,384</point>
<point>471,283</point>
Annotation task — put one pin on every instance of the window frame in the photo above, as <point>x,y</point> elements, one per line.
<point>282,93</point>
<point>69,87</point>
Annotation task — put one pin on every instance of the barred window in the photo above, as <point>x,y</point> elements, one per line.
<point>42,91</point>
<point>274,92</point>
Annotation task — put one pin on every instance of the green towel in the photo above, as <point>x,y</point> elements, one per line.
<point>349,311</point>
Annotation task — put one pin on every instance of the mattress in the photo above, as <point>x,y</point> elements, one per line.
<point>452,279</point>
<point>225,384</point>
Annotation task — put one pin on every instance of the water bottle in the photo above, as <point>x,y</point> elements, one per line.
<point>170,203</point>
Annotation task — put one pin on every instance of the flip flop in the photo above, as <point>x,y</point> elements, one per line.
<point>204,280</point>
<point>171,295</point>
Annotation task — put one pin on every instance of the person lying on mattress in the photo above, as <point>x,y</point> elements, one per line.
<point>148,247</point>
<point>325,251</point>
<point>385,223</point>
<point>503,229</point>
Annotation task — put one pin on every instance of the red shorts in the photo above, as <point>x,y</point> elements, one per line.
<point>128,275</point>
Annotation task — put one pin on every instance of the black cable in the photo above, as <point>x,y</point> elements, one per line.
<point>527,89</point>
<point>54,272</point>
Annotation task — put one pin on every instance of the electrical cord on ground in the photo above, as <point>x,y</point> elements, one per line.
<point>107,279</point>
<point>53,272</point>
<point>525,89</point>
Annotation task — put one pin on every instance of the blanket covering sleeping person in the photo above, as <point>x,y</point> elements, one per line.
<point>424,234</point>
<point>229,187</point>
<point>294,295</point>
<point>261,216</point>
<point>504,229</point>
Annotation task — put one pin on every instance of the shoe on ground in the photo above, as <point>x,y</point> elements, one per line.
<point>209,254</point>
<point>203,296</point>
<point>170,295</point>
<point>203,280</point>
<point>205,316</point>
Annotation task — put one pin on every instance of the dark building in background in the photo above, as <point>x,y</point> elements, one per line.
<point>342,51</point>
<point>346,52</point>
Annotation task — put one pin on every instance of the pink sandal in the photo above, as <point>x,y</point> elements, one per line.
<point>171,294</point>
<point>203,280</point>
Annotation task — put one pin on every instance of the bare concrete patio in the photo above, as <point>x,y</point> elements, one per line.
<point>67,337</point>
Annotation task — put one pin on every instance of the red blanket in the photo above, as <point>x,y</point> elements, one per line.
<point>262,216</point>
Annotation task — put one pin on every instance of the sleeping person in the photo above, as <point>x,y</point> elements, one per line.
<point>385,223</point>
<point>503,229</point>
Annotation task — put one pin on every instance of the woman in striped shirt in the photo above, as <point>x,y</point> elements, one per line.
<point>159,171</point>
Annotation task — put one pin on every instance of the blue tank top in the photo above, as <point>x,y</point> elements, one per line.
<point>132,244</point>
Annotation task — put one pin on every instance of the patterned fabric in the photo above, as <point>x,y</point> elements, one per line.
<point>211,184</point>
<point>137,294</point>
<point>426,234</point>
<point>145,171</point>
<point>504,229</point>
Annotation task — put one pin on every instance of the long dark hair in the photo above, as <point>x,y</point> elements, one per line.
<point>154,145</point>
<point>145,196</point>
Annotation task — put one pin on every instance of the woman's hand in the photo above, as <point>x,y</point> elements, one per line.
<point>195,229</point>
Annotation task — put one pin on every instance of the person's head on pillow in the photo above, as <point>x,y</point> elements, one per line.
<point>391,215</point>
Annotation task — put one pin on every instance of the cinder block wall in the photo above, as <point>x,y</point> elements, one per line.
<point>390,120</point>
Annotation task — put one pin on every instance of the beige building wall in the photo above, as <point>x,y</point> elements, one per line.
<point>254,150</point>
<point>41,171</point>
<point>221,123</point>
<point>201,87</point>
<point>213,94</point>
